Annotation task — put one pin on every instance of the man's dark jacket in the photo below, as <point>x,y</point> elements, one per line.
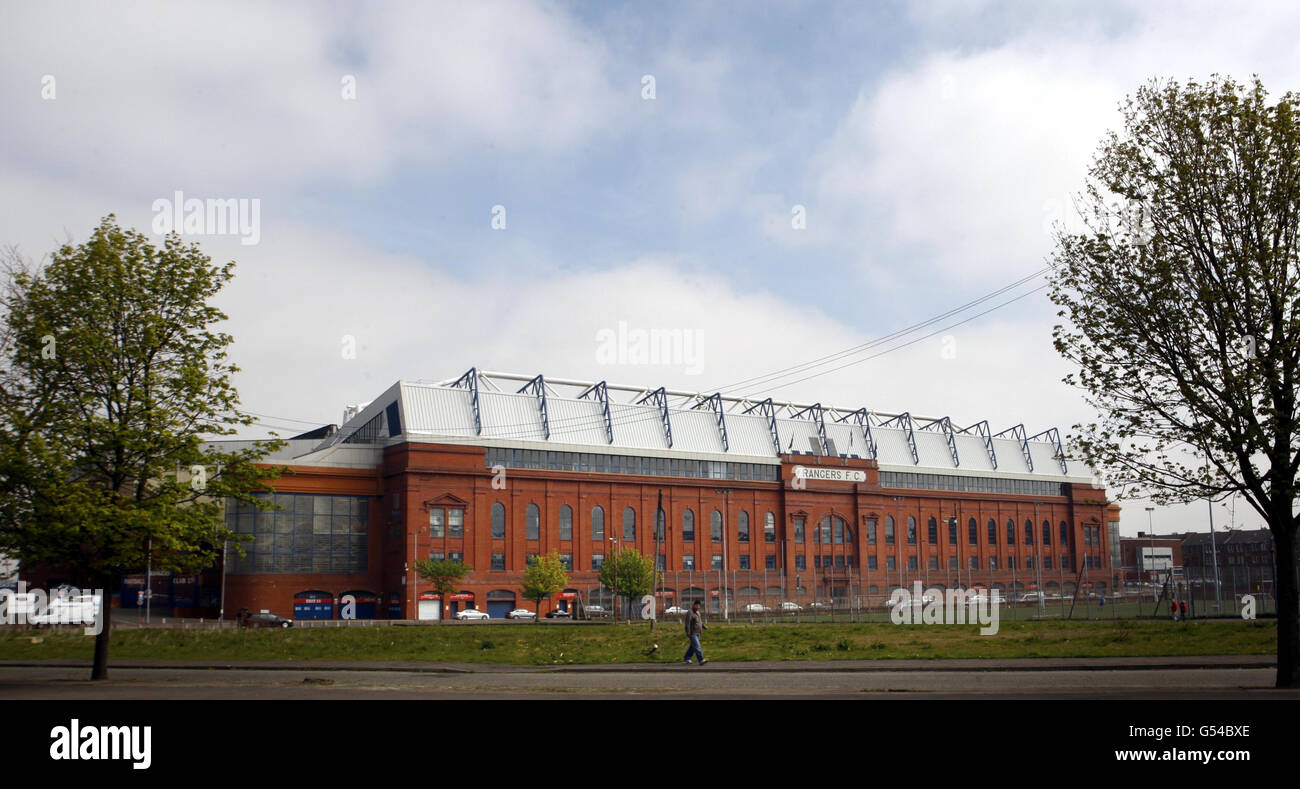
<point>694,625</point>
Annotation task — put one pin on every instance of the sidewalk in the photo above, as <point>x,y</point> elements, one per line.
<point>786,666</point>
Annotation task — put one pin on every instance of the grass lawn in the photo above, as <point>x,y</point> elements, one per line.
<point>562,643</point>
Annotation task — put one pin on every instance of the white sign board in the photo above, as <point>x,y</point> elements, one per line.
<point>1157,558</point>
<point>830,474</point>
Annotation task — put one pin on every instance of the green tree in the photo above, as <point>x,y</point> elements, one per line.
<point>444,576</point>
<point>544,578</point>
<point>1182,300</point>
<point>630,574</point>
<point>111,377</point>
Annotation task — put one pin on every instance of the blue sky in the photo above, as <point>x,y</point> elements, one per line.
<point>930,146</point>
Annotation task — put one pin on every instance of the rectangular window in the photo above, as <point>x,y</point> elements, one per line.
<point>839,560</point>
<point>817,562</point>
<point>801,562</point>
<point>974,563</point>
<point>597,559</point>
<point>889,531</point>
<point>661,563</point>
<point>456,523</point>
<point>993,562</point>
<point>1047,562</point>
<point>435,523</point>
<point>744,562</point>
<point>798,529</point>
<point>911,562</point>
<point>952,531</point>
<point>871,532</point>
<point>1011,562</point>
<point>1029,562</point>
<point>688,562</point>
<point>952,562</point>
<point>566,523</point>
<point>530,559</point>
<point>911,531</point>
<point>717,562</point>
<point>933,563</point>
<point>566,559</point>
<point>993,533</point>
<point>871,563</point>
<point>456,556</point>
<point>498,561</point>
<point>973,532</point>
<point>934,532</point>
<point>769,561</point>
<point>890,564</point>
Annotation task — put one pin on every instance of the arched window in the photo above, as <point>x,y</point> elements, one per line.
<point>993,532</point>
<point>769,528</point>
<point>597,524</point>
<point>1047,533</point>
<point>1011,532</point>
<point>688,526</point>
<point>742,527</point>
<point>629,523</point>
<point>889,530</point>
<point>972,532</point>
<point>934,530</point>
<point>715,526</point>
<point>498,521</point>
<point>837,529</point>
<point>1029,532</point>
<point>911,530</point>
<point>532,518</point>
<point>566,522</point>
<point>1065,534</point>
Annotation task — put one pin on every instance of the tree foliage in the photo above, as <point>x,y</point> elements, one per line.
<point>111,379</point>
<point>628,573</point>
<point>444,576</point>
<point>543,579</point>
<point>1181,296</point>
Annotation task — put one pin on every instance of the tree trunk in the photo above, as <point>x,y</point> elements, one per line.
<point>1288,598</point>
<point>100,667</point>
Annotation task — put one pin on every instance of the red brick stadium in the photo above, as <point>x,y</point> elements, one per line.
<point>764,502</point>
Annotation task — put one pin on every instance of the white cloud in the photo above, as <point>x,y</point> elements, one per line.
<point>249,95</point>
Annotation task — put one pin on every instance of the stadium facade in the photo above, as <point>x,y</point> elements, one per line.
<point>763,501</point>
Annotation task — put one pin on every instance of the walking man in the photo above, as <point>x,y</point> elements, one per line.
<point>694,626</point>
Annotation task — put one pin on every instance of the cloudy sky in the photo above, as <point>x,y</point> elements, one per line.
<point>505,185</point>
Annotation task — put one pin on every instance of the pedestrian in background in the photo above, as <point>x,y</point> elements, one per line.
<point>694,627</point>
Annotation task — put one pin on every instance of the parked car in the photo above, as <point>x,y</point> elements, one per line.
<point>1031,597</point>
<point>262,619</point>
<point>594,611</point>
<point>675,610</point>
<point>755,608</point>
<point>787,605</point>
<point>558,613</point>
<point>77,609</point>
<point>521,613</point>
<point>818,605</point>
<point>472,614</point>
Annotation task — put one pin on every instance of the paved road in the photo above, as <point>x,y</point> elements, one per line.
<point>1164,678</point>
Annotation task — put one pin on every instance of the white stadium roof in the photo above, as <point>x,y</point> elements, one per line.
<point>534,412</point>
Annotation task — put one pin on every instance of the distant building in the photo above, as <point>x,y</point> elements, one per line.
<point>1148,558</point>
<point>1246,561</point>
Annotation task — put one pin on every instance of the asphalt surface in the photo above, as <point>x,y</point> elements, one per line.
<point>1216,677</point>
